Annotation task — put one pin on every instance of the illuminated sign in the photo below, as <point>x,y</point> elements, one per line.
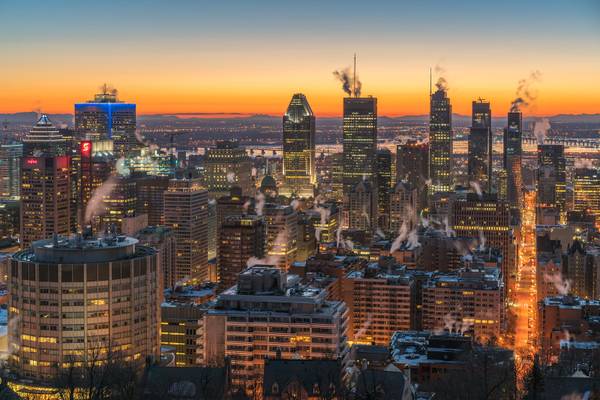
<point>86,148</point>
<point>31,161</point>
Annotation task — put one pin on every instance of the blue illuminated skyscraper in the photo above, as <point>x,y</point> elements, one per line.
<point>106,117</point>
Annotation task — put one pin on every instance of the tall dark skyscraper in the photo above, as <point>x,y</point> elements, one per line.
<point>360,140</point>
<point>299,148</point>
<point>412,166</point>
<point>551,177</point>
<point>104,116</point>
<point>512,158</point>
<point>480,145</point>
<point>440,142</point>
<point>384,186</point>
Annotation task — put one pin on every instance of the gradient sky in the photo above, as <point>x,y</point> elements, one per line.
<point>250,56</point>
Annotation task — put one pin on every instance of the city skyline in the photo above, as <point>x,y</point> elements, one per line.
<point>177,60</point>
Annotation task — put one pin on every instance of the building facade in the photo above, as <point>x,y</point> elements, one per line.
<point>299,148</point>
<point>92,300</point>
<point>186,213</point>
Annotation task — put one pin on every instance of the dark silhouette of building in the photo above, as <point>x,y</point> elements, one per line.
<point>383,179</point>
<point>241,238</point>
<point>512,159</point>
<point>480,145</point>
<point>551,177</point>
<point>412,166</point>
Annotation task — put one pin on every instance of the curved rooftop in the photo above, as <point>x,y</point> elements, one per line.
<point>298,108</point>
<point>78,250</point>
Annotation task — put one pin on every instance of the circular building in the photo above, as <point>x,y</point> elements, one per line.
<point>75,300</point>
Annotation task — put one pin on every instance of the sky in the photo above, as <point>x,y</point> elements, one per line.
<point>245,56</point>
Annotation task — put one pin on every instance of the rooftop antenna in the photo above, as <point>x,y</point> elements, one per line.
<point>354,77</point>
<point>429,81</point>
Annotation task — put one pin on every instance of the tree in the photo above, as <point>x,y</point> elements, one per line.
<point>534,381</point>
<point>488,373</point>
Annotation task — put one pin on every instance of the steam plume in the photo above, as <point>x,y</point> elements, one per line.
<point>402,235</point>
<point>230,177</point>
<point>270,259</point>
<point>95,205</point>
<point>345,76</point>
<point>476,188</point>
<point>526,94</point>
<point>260,204</point>
<point>442,83</point>
<point>563,286</point>
<point>540,130</point>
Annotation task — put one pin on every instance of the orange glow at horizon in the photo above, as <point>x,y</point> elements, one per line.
<point>174,85</point>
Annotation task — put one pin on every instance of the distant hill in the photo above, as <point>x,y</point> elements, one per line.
<point>459,120</point>
<point>30,118</point>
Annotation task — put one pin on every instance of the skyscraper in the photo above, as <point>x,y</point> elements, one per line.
<point>383,179</point>
<point>241,238</point>
<point>412,166</point>
<point>586,191</point>
<point>551,177</point>
<point>227,165</point>
<point>360,140</point>
<point>299,148</point>
<point>440,143</point>
<point>480,145</point>
<point>186,213</point>
<point>150,197</point>
<point>487,218</point>
<point>96,165</point>
<point>46,206</point>
<point>10,163</point>
<point>512,158</point>
<point>100,118</point>
<point>282,234</point>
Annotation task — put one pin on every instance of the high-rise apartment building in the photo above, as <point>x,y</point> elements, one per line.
<point>440,143</point>
<point>186,213</point>
<point>83,299</point>
<point>282,234</point>
<point>299,148</point>
<point>360,140</point>
<point>380,300</point>
<point>488,220</point>
<point>227,165</point>
<point>268,314</point>
<point>469,301</point>
<point>104,116</point>
<point>241,238</point>
<point>480,146</point>
<point>163,240</point>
